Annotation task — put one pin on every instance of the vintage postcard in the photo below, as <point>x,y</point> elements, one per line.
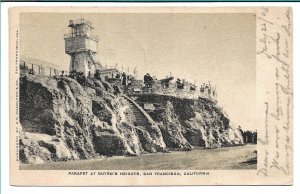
<point>141,96</point>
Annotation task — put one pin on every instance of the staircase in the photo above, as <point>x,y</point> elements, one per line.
<point>141,117</point>
<point>90,55</point>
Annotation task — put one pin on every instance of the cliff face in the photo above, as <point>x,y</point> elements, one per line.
<point>64,120</point>
<point>186,122</point>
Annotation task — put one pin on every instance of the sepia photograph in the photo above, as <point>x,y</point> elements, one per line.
<point>137,93</point>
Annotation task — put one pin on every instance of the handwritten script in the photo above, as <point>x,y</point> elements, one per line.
<point>274,53</point>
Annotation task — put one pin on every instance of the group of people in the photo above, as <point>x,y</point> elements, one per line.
<point>207,89</point>
<point>79,77</point>
<point>148,80</point>
<point>180,84</point>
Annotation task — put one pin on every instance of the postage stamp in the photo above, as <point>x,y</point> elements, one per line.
<point>141,96</point>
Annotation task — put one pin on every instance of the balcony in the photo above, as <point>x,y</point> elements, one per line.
<point>73,35</point>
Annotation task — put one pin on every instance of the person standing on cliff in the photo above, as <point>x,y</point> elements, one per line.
<point>124,81</point>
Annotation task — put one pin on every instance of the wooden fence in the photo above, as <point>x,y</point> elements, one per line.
<point>40,69</point>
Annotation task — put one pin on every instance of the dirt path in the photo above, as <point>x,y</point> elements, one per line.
<point>242,157</point>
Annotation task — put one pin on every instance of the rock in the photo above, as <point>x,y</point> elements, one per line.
<point>195,132</point>
<point>102,111</point>
<point>147,142</point>
<point>109,144</point>
<point>99,84</point>
<point>191,122</point>
<point>172,129</point>
<point>108,87</point>
<point>37,148</point>
<point>64,120</point>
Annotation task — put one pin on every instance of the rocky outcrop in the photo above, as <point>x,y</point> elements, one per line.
<point>63,120</point>
<point>190,122</point>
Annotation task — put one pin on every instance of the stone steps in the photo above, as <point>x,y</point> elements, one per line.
<point>140,119</point>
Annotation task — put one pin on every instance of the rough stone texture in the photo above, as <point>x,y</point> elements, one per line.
<point>186,122</point>
<point>63,120</point>
<point>172,129</point>
<point>38,148</point>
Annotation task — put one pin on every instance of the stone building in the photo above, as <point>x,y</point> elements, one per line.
<point>110,73</point>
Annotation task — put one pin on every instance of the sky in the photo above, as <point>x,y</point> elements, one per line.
<point>199,47</point>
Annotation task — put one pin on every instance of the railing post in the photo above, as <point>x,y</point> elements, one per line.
<point>50,71</point>
<point>24,65</point>
<point>39,70</point>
